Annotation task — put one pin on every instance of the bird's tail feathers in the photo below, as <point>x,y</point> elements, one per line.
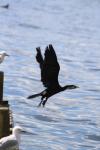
<point>33,96</point>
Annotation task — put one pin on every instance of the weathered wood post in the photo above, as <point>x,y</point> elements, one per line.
<point>1,85</point>
<point>4,111</point>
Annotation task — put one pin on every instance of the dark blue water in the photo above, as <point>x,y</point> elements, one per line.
<point>70,120</point>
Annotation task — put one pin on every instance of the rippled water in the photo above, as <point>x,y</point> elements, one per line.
<point>71,119</point>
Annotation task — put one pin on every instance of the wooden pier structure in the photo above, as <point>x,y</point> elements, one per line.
<point>5,113</point>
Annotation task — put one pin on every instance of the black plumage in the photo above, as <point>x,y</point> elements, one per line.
<point>50,68</point>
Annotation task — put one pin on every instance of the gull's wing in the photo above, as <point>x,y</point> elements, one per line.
<point>9,143</point>
<point>50,70</point>
<point>7,138</point>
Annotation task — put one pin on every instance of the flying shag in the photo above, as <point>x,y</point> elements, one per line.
<point>50,68</point>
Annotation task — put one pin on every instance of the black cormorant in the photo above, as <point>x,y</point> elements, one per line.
<point>49,74</point>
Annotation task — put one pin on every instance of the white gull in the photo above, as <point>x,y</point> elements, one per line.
<point>2,56</point>
<point>12,141</point>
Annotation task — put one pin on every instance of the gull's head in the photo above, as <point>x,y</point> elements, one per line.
<point>3,53</point>
<point>17,130</point>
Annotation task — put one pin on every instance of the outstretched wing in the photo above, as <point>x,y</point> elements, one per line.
<point>50,70</point>
<point>39,57</point>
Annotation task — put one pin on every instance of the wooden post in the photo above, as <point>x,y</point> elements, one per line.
<point>4,111</point>
<point>1,85</point>
<point>4,121</point>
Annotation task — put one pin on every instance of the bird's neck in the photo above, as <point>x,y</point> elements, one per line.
<point>17,136</point>
<point>64,88</point>
<point>2,57</point>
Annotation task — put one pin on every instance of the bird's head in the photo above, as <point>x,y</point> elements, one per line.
<point>69,87</point>
<point>3,53</point>
<point>17,129</point>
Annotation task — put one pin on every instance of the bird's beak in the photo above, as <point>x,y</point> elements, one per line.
<point>23,131</point>
<point>7,55</point>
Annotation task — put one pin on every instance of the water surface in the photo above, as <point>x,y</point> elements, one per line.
<point>71,119</point>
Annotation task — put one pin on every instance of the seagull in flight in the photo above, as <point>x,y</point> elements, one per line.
<point>12,141</point>
<point>50,68</point>
<point>2,56</point>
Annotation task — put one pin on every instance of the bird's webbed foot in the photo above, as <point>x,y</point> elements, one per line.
<point>40,102</point>
<point>44,102</point>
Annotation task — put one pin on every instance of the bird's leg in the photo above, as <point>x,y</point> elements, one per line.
<point>44,102</point>
<point>40,102</point>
